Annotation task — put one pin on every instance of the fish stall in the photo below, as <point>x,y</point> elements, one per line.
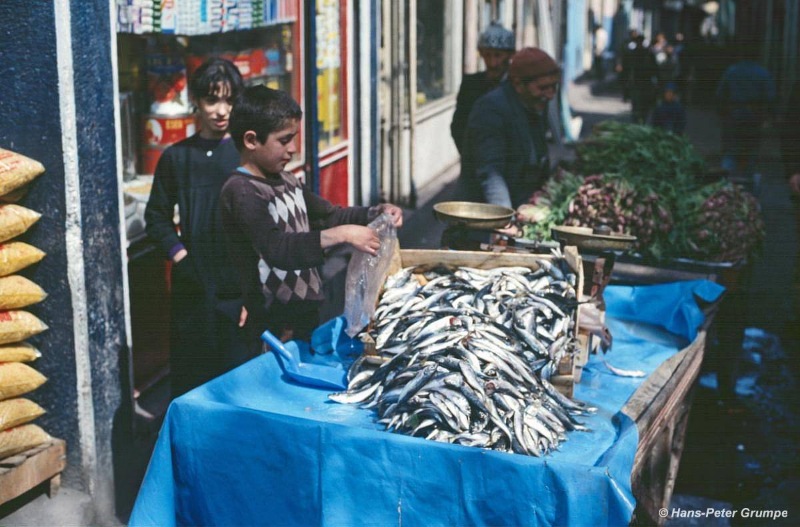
<point>457,403</point>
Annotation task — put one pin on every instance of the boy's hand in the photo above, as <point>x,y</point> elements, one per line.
<point>362,238</point>
<point>392,210</point>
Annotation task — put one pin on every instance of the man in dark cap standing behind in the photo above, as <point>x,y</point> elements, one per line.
<point>495,45</point>
<point>505,153</point>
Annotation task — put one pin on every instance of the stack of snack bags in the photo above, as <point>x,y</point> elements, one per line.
<point>17,377</point>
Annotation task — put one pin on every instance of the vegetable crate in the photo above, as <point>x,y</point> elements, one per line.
<point>569,370</point>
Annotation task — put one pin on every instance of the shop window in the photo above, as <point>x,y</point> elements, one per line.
<point>153,76</point>
<point>330,74</point>
<point>434,50</point>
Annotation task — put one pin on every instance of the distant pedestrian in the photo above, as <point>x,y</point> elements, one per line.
<point>624,63</point>
<point>745,97</point>
<point>662,52</point>
<point>641,74</point>
<point>670,114</point>
<point>599,52</point>
<point>495,46</point>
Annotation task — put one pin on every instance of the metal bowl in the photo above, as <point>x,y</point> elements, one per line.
<point>585,238</point>
<point>473,215</point>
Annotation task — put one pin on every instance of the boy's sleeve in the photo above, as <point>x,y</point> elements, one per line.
<point>322,214</point>
<point>250,215</point>
<point>160,210</point>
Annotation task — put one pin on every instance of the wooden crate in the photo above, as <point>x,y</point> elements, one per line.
<point>42,464</point>
<point>569,370</point>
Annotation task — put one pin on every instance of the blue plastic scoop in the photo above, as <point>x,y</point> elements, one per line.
<point>321,371</point>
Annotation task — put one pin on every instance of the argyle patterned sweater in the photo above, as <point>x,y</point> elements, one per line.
<point>272,229</point>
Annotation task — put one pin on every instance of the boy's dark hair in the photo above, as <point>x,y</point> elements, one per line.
<point>262,110</point>
<point>213,72</point>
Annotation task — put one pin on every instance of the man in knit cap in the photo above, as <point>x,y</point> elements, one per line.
<point>506,156</point>
<point>495,46</point>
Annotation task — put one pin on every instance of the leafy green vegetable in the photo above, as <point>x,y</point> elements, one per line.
<point>647,182</point>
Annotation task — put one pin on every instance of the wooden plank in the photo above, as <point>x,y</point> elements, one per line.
<point>33,471</point>
<point>660,409</point>
<point>651,396</point>
<point>478,259</point>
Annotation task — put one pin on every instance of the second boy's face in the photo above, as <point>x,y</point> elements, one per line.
<point>274,154</point>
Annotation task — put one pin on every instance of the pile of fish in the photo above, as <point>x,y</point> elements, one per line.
<point>465,355</point>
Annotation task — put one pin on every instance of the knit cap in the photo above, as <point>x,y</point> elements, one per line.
<point>496,37</point>
<point>531,63</point>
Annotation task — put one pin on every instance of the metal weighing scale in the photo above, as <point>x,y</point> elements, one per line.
<point>473,226</point>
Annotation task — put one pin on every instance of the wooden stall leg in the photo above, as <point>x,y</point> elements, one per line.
<point>54,485</point>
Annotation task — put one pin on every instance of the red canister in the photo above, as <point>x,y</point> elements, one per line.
<point>163,130</point>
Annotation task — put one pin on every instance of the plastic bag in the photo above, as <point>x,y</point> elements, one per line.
<point>365,276</point>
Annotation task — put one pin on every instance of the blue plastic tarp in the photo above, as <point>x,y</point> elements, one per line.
<point>252,448</point>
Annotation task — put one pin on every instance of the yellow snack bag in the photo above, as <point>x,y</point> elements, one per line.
<point>16,170</point>
<point>18,255</point>
<point>17,378</point>
<point>17,291</point>
<point>15,220</point>
<point>21,438</point>
<point>15,412</point>
<point>19,352</point>
<point>18,325</point>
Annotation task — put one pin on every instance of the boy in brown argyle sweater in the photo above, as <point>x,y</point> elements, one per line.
<point>278,230</point>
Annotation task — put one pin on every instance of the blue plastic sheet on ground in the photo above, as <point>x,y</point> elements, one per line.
<point>252,448</point>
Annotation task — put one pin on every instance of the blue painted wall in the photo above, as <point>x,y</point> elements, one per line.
<point>94,93</point>
<point>30,106</point>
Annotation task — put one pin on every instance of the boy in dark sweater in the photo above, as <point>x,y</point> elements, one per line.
<point>277,230</point>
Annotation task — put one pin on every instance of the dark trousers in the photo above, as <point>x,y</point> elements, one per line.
<point>205,341</point>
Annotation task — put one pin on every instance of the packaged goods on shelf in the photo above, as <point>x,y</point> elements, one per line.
<point>19,352</point>
<point>17,292</point>
<point>200,17</point>
<point>21,438</point>
<point>18,379</point>
<point>16,170</point>
<point>16,412</point>
<point>15,256</point>
<point>15,220</point>
<point>18,325</point>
